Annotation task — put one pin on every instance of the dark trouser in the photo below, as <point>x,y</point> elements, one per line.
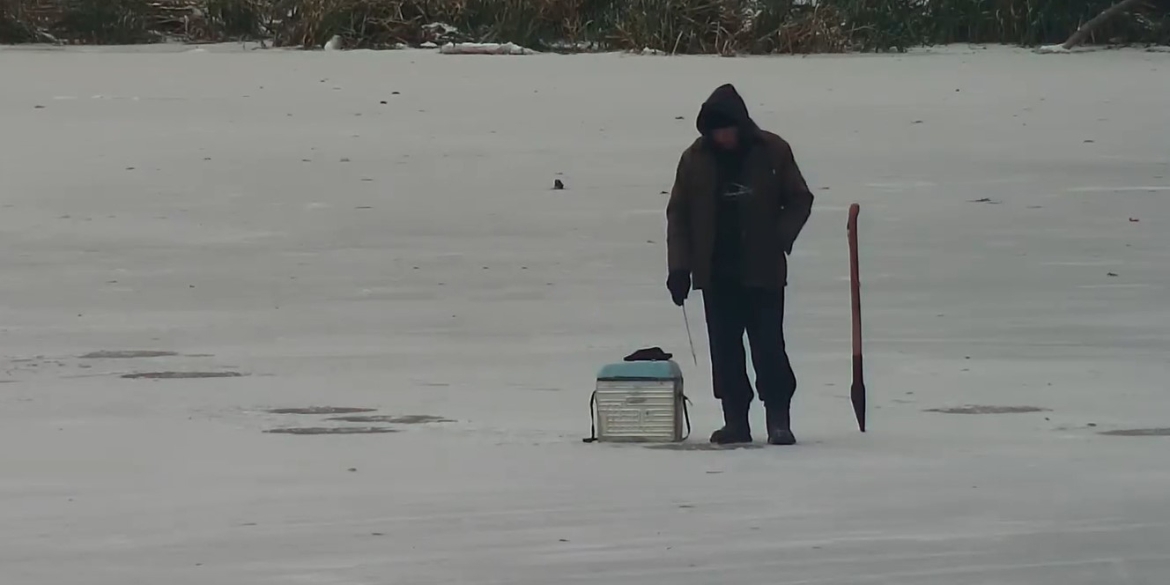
<point>732,309</point>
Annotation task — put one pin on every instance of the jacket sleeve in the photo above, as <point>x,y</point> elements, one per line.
<point>678,221</point>
<point>797,199</point>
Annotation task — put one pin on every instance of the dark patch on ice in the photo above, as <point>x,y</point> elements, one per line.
<point>179,375</point>
<point>1138,433</point>
<point>975,409</point>
<point>704,446</point>
<point>122,354</point>
<point>332,431</point>
<point>407,419</point>
<point>321,410</point>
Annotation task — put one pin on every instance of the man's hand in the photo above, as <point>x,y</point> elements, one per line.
<point>679,285</point>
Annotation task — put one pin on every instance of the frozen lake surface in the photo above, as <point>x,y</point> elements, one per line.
<point>378,231</point>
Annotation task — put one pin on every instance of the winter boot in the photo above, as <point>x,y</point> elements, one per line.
<point>780,427</point>
<point>736,428</point>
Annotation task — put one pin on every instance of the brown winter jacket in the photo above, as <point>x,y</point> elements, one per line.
<point>770,218</point>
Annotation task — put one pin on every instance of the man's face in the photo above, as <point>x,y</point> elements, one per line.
<point>726,138</point>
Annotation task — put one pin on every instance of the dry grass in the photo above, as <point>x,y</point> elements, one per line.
<point>673,26</point>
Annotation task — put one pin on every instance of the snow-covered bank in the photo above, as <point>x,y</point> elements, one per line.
<point>377,230</point>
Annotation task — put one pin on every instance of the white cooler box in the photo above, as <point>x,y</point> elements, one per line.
<point>640,402</point>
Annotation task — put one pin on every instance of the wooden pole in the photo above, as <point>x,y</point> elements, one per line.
<point>857,391</point>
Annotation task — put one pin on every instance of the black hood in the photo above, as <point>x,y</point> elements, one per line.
<point>725,108</point>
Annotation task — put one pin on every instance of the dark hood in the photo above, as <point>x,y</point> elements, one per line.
<point>725,107</point>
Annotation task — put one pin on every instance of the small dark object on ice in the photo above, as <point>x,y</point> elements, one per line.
<point>649,354</point>
<point>39,107</point>
<point>1090,141</point>
<point>985,200</point>
<point>558,185</point>
<point>680,118</point>
<point>383,102</point>
<point>1111,274</point>
<point>1134,220</point>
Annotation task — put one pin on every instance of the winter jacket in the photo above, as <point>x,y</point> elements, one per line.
<point>771,211</point>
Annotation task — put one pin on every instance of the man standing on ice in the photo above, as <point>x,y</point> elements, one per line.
<point>737,205</point>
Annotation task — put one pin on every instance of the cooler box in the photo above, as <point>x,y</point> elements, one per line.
<point>640,402</point>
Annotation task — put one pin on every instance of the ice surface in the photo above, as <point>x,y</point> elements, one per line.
<point>436,273</point>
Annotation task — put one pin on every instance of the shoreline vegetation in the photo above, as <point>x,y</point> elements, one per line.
<point>725,27</point>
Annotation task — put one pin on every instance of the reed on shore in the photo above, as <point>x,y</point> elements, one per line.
<point>672,26</point>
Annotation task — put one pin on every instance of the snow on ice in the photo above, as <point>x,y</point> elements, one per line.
<point>437,281</point>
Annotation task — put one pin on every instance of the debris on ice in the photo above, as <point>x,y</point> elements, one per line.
<point>485,49</point>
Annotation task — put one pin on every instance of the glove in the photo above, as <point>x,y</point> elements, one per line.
<point>679,285</point>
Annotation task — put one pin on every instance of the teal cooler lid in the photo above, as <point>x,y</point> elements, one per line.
<point>667,370</point>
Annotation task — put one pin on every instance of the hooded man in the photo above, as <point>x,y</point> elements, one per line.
<point>737,205</point>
